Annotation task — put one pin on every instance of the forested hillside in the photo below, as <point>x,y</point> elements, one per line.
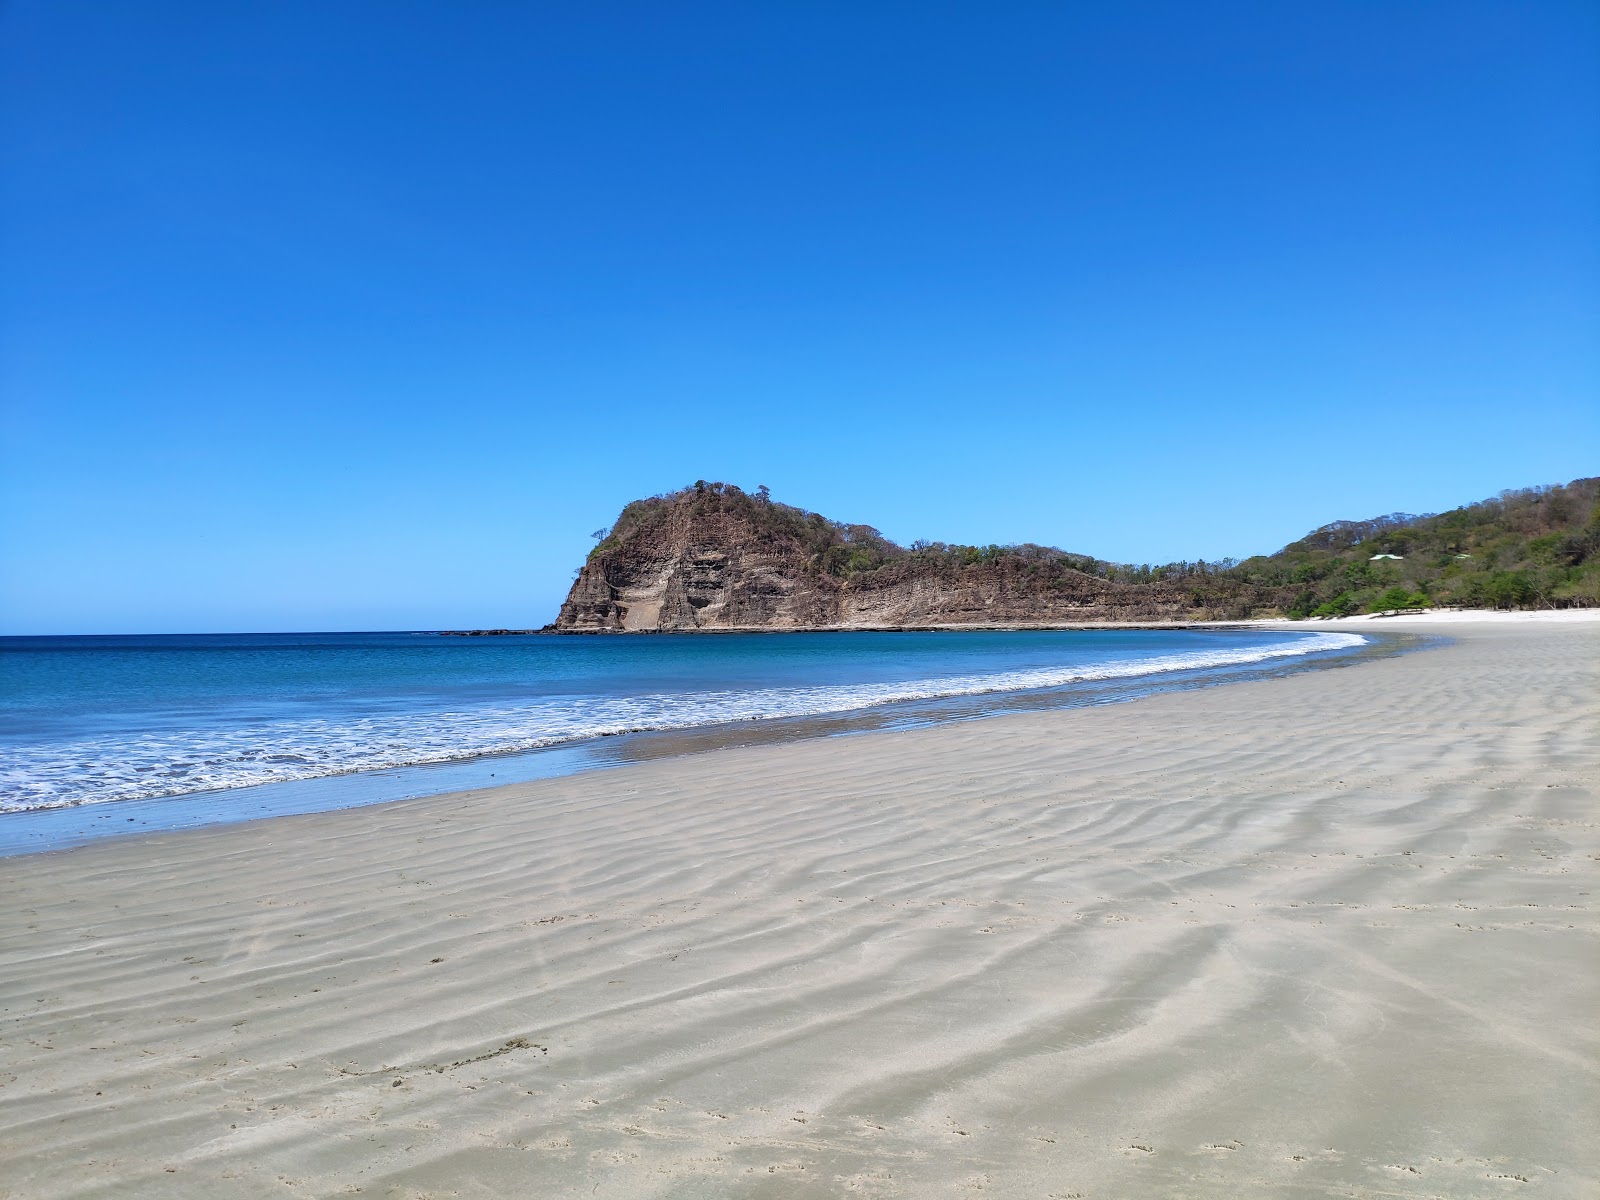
<point>1534,548</point>
<point>714,556</point>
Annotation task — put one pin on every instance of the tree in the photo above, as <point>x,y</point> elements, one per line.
<point>1303,606</point>
<point>1397,598</point>
<point>1341,605</point>
<point>1509,589</point>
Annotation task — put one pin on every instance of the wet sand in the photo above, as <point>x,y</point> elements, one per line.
<point>1326,935</point>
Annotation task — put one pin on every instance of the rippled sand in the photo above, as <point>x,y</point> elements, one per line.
<point>1329,935</point>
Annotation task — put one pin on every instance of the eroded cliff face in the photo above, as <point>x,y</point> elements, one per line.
<point>1003,592</point>
<point>715,558</point>
<point>697,566</point>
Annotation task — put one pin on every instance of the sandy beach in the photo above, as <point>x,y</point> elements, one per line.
<point>1326,935</point>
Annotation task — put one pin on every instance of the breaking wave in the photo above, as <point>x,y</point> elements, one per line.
<point>153,764</point>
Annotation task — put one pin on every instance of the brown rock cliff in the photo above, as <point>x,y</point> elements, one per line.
<point>714,557</point>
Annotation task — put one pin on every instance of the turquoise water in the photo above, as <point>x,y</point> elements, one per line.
<point>90,721</point>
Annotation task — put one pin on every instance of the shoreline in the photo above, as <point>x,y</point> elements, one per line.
<point>996,627</point>
<point>1332,933</point>
<point>60,826</point>
<point>45,829</point>
<point>1450,615</point>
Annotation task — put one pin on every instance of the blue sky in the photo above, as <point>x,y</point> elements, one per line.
<point>352,316</point>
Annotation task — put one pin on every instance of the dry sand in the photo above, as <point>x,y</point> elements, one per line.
<point>1328,935</point>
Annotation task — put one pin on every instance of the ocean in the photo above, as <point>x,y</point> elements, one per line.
<point>225,724</point>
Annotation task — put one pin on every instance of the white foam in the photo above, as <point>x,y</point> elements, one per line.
<point>169,763</point>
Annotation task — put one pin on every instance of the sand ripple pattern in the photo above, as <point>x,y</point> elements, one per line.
<point>1328,935</point>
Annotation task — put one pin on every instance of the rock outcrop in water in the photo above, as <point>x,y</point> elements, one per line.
<point>715,557</point>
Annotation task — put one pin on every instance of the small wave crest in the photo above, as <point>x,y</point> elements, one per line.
<point>155,764</point>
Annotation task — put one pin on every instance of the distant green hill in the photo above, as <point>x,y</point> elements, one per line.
<point>1534,548</point>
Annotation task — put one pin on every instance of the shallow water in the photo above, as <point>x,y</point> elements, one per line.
<point>187,730</point>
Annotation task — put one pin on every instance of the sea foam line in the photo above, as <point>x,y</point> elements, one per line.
<point>157,764</point>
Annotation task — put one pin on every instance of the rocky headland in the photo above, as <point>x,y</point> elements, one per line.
<point>714,557</point>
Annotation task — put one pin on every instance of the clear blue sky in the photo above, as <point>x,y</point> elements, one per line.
<point>362,315</point>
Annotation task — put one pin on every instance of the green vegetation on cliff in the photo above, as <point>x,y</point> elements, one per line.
<point>831,547</point>
<point>1534,548</point>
